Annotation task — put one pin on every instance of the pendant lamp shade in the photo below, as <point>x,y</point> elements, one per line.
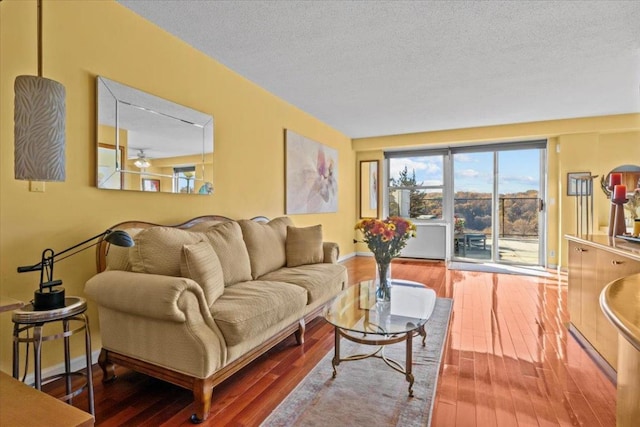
<point>39,118</point>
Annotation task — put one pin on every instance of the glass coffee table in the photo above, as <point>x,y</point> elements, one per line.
<point>357,317</point>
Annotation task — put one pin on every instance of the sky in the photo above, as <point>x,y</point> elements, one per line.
<point>519,170</point>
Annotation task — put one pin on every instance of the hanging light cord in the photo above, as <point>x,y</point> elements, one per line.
<point>39,38</point>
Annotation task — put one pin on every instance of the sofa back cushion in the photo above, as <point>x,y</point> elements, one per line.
<point>226,240</point>
<point>158,250</point>
<point>265,244</point>
<point>200,263</point>
<point>117,257</point>
<point>304,246</point>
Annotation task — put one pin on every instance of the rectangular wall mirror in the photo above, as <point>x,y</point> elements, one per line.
<point>369,189</point>
<point>146,143</point>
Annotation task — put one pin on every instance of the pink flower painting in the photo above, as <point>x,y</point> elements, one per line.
<point>312,176</point>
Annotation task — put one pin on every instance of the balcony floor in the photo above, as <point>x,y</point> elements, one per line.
<point>511,249</point>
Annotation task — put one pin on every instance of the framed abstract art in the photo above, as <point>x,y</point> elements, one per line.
<point>311,175</point>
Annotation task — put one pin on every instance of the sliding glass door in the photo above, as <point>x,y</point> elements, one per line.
<point>487,198</point>
<point>498,195</point>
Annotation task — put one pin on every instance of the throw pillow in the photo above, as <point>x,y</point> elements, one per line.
<point>157,250</point>
<point>265,244</point>
<point>200,263</point>
<point>304,246</point>
<point>226,240</point>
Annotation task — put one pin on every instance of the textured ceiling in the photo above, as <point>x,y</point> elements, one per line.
<point>371,68</point>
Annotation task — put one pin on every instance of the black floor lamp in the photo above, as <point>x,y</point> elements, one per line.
<point>48,298</point>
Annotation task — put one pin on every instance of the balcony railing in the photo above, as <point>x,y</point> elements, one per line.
<point>518,216</point>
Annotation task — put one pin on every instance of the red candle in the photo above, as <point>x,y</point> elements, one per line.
<point>620,192</point>
<point>615,179</point>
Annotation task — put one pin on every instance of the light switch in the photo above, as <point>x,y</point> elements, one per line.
<point>36,186</point>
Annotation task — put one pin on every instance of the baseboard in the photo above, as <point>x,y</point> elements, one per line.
<point>348,256</point>
<point>604,366</point>
<point>77,364</point>
<point>368,253</point>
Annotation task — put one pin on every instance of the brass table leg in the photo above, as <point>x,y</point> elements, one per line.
<point>409,363</point>
<point>423,334</point>
<point>336,355</point>
<point>379,352</point>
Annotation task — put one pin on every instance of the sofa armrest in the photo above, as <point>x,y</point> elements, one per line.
<point>162,320</point>
<point>147,295</point>
<point>331,252</point>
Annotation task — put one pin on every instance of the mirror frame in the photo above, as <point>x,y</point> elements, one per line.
<point>176,115</point>
<point>370,189</point>
<point>630,178</point>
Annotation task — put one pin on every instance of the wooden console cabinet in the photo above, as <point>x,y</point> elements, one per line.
<point>594,262</point>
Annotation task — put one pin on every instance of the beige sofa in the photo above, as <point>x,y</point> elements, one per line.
<point>194,303</point>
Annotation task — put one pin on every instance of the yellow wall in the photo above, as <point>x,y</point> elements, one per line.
<point>83,39</point>
<point>592,144</point>
<point>598,154</point>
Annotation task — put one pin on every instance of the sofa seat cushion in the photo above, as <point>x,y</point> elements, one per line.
<point>246,309</point>
<point>265,244</point>
<point>321,281</point>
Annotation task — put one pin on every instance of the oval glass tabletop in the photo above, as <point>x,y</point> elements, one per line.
<point>356,309</point>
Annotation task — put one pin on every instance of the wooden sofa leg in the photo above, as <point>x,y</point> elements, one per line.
<point>300,332</point>
<point>108,369</point>
<point>202,393</point>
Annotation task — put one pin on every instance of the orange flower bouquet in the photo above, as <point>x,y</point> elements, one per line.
<point>385,238</point>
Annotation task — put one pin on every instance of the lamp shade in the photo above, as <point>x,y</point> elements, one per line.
<point>39,118</point>
<point>119,238</point>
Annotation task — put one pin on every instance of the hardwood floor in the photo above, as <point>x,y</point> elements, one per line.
<point>509,361</point>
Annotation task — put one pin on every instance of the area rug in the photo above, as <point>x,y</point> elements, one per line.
<point>368,392</point>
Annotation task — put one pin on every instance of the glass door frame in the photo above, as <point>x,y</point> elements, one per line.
<point>542,213</point>
<point>448,194</point>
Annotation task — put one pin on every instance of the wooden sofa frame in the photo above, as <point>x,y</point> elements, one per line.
<point>202,388</point>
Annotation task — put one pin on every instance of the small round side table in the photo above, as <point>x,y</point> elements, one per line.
<point>27,318</point>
